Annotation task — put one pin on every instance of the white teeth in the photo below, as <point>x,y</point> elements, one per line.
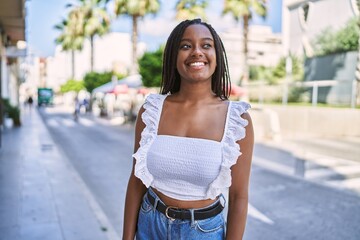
<point>195,64</point>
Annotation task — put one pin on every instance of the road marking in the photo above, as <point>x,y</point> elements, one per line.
<point>253,212</point>
<point>52,123</point>
<point>68,122</point>
<point>328,161</point>
<point>352,183</point>
<point>332,171</point>
<point>320,169</point>
<point>86,122</point>
<point>268,164</point>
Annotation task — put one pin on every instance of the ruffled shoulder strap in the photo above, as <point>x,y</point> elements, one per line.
<point>151,116</point>
<point>234,131</point>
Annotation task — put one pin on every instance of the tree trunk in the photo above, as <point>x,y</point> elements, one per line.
<point>72,64</point>
<point>92,53</point>
<point>244,81</point>
<point>356,85</point>
<point>245,74</point>
<point>134,66</point>
<point>357,73</point>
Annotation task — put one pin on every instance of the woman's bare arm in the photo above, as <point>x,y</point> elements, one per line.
<point>238,192</point>
<point>135,189</point>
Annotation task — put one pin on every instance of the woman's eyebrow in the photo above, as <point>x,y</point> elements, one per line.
<point>189,40</point>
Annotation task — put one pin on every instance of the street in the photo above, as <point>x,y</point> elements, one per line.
<point>281,206</point>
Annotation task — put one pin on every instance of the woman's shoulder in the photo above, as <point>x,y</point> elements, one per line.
<point>155,97</point>
<point>240,106</point>
<point>152,103</point>
<point>238,113</point>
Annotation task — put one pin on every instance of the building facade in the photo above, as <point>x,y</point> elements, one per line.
<point>303,20</point>
<point>111,52</point>
<point>12,37</point>
<point>264,48</point>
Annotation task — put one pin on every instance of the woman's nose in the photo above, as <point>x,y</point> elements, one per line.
<point>196,52</point>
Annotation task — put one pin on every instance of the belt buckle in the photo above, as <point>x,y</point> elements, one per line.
<point>167,212</point>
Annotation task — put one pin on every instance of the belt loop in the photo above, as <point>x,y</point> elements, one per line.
<point>192,217</point>
<point>156,202</point>
<point>224,200</point>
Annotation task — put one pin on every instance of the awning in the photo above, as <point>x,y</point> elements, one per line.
<point>133,81</point>
<point>12,20</point>
<point>14,52</point>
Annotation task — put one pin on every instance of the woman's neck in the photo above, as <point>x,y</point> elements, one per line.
<point>195,93</point>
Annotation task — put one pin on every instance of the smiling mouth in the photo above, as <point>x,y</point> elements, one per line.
<point>196,64</point>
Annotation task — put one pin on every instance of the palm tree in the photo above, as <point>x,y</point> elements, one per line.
<point>136,9</point>
<point>95,21</point>
<point>190,9</point>
<point>71,36</point>
<point>243,9</point>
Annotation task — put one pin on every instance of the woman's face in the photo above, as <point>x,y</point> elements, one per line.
<point>196,60</point>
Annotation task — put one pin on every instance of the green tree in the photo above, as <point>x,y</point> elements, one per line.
<point>95,21</point>
<point>71,38</point>
<point>150,65</point>
<point>93,80</point>
<point>343,40</point>
<point>136,9</point>
<point>72,85</point>
<point>190,9</point>
<point>244,9</point>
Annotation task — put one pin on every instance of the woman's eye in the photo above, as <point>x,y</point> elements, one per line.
<point>185,46</point>
<point>207,45</point>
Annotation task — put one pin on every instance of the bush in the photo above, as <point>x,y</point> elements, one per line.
<point>298,94</point>
<point>12,112</point>
<point>262,73</point>
<point>344,40</point>
<point>297,70</point>
<point>272,75</point>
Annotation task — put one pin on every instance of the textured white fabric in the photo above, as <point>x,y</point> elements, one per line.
<point>188,168</point>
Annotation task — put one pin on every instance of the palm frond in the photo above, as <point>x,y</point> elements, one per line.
<point>190,9</point>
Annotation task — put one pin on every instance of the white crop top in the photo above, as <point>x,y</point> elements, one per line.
<point>187,168</point>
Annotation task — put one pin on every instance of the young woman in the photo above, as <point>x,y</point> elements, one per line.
<point>191,145</point>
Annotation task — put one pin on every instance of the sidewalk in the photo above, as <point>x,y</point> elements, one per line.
<point>41,195</point>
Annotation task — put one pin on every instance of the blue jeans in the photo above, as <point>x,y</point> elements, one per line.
<point>154,225</point>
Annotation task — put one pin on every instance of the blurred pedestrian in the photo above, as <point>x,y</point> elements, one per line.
<point>30,101</point>
<point>191,145</point>
<point>77,109</point>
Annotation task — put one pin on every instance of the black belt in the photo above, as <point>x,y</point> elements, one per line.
<point>185,214</point>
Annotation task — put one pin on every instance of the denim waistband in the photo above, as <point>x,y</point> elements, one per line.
<point>195,213</point>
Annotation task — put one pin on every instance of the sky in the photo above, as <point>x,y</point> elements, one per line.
<point>43,15</point>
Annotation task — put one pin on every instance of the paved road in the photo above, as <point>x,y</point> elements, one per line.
<point>101,154</point>
<point>333,162</point>
<point>281,206</point>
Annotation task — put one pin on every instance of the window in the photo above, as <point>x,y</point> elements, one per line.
<point>304,14</point>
